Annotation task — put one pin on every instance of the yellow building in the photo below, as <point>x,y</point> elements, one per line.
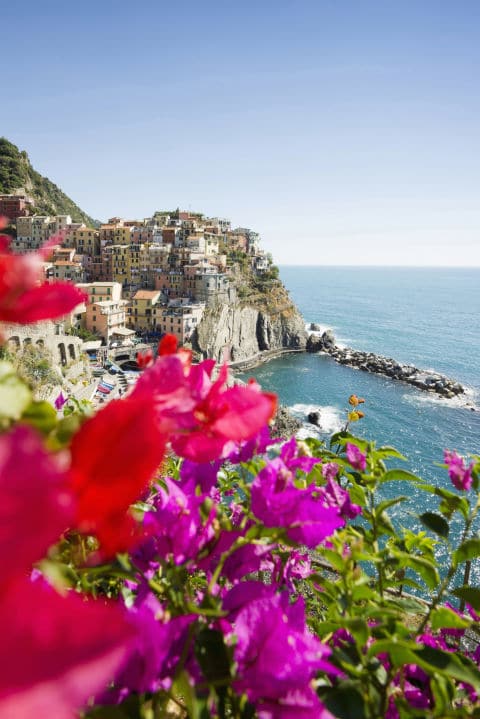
<point>85,240</point>
<point>115,234</point>
<point>143,309</point>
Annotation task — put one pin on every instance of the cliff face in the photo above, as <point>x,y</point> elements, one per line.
<point>245,331</point>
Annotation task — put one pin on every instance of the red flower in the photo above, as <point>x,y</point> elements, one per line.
<point>23,298</point>
<point>114,457</point>
<point>56,651</point>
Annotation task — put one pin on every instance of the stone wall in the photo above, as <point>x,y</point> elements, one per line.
<point>65,349</point>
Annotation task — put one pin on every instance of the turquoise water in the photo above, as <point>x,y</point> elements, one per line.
<point>428,317</point>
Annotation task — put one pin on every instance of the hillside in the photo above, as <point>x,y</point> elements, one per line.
<point>18,175</point>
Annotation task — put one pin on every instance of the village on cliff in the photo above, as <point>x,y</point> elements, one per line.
<point>142,277</point>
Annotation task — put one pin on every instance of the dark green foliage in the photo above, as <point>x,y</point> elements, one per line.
<point>16,173</point>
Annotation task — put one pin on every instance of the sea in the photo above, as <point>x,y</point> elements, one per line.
<point>428,317</point>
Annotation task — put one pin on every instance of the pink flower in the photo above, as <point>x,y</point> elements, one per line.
<point>36,504</point>
<point>56,651</point>
<point>277,657</point>
<point>202,416</point>
<point>23,297</point>
<point>357,459</point>
<point>460,475</point>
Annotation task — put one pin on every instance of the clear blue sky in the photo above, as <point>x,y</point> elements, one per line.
<point>345,131</point>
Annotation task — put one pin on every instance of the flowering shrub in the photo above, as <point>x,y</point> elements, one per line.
<point>166,557</point>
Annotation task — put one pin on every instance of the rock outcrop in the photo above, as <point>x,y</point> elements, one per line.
<point>284,423</point>
<point>377,364</point>
<point>247,332</point>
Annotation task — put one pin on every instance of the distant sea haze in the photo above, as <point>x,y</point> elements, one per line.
<point>426,317</point>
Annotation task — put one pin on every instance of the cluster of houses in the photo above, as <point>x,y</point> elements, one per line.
<point>142,277</point>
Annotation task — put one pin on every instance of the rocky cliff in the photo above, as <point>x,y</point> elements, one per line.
<point>244,331</point>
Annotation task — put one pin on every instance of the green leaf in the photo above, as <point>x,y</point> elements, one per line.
<point>470,594</point>
<point>183,690</point>
<point>470,549</point>
<point>386,451</point>
<point>41,415</point>
<point>436,523</point>
<point>344,702</point>
<point>395,475</point>
<point>443,617</point>
<point>15,395</point>
<point>211,654</point>
<point>453,665</point>
<point>426,569</point>
<point>450,502</point>
<point>388,503</point>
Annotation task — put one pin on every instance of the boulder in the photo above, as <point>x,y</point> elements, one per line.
<point>314,418</point>
<point>285,424</point>
<point>314,344</point>
<point>328,339</point>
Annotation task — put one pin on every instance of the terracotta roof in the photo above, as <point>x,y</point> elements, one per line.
<point>146,294</point>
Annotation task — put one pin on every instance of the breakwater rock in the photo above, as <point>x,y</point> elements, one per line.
<point>377,364</point>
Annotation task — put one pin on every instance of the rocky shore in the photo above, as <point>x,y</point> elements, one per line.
<point>377,364</point>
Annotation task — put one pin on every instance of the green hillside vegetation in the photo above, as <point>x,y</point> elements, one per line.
<point>17,174</point>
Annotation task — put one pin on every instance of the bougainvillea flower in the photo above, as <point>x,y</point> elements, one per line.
<point>244,451</point>
<point>36,503</point>
<point>275,653</point>
<point>459,473</point>
<point>202,415</point>
<point>60,400</point>
<point>298,704</point>
<point>176,525</point>
<point>114,457</point>
<point>144,359</point>
<point>335,495</point>
<point>56,651</point>
<point>23,298</point>
<point>203,476</point>
<point>243,593</point>
<point>293,459</point>
<point>356,457</point>
<point>155,654</point>
<point>277,502</point>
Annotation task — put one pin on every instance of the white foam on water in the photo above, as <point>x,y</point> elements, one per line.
<point>331,419</point>
<point>469,400</point>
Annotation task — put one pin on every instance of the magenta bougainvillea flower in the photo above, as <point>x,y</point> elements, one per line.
<point>277,656</point>
<point>23,297</point>
<point>335,495</point>
<point>60,400</point>
<point>459,473</point>
<point>175,524</point>
<point>277,502</point>
<point>356,457</point>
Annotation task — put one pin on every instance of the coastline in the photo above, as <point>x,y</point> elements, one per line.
<point>262,357</point>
